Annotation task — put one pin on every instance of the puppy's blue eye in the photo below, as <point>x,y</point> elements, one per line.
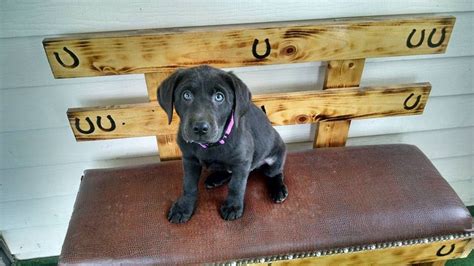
<point>219,97</point>
<point>187,96</point>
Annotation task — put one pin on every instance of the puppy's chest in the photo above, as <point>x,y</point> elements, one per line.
<point>216,160</point>
<point>220,158</point>
<point>213,165</point>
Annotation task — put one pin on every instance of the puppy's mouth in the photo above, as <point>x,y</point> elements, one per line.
<point>211,137</point>
<point>202,141</point>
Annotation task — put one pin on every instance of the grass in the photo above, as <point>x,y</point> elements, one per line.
<point>50,261</point>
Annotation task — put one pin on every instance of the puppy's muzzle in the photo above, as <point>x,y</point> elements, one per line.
<point>201,128</point>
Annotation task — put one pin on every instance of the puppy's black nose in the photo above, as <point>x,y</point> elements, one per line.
<point>201,128</point>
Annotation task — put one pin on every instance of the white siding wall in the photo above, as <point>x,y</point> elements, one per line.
<point>41,164</point>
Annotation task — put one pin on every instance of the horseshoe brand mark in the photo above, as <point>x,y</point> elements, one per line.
<point>91,126</point>
<point>112,123</point>
<point>74,57</point>
<point>430,42</point>
<point>409,43</point>
<point>441,39</point>
<point>439,254</point>
<point>418,98</point>
<point>267,52</point>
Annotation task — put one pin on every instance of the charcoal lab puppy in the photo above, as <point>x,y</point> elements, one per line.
<point>222,130</point>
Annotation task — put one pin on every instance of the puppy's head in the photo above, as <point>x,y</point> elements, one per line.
<point>204,98</point>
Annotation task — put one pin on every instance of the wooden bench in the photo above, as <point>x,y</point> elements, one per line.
<point>112,224</point>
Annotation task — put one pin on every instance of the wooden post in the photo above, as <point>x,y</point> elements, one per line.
<point>339,74</point>
<point>167,147</point>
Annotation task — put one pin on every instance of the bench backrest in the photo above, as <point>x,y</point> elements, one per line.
<point>344,44</point>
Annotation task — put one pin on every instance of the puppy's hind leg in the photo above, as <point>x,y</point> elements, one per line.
<point>273,169</point>
<point>278,189</point>
<point>217,179</point>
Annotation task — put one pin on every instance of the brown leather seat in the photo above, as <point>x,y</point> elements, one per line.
<point>338,197</point>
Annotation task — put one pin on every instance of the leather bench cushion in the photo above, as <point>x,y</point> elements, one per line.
<point>338,197</point>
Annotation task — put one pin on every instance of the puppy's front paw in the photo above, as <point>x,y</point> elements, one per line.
<point>279,193</point>
<point>180,212</point>
<point>231,211</point>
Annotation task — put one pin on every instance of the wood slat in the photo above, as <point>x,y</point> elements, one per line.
<point>405,255</point>
<point>21,72</point>
<point>149,119</point>
<point>244,45</point>
<point>35,109</point>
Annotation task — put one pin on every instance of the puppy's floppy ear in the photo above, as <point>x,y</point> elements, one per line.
<point>242,96</point>
<point>166,90</point>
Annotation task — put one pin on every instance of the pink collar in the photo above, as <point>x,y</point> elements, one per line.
<point>226,134</point>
